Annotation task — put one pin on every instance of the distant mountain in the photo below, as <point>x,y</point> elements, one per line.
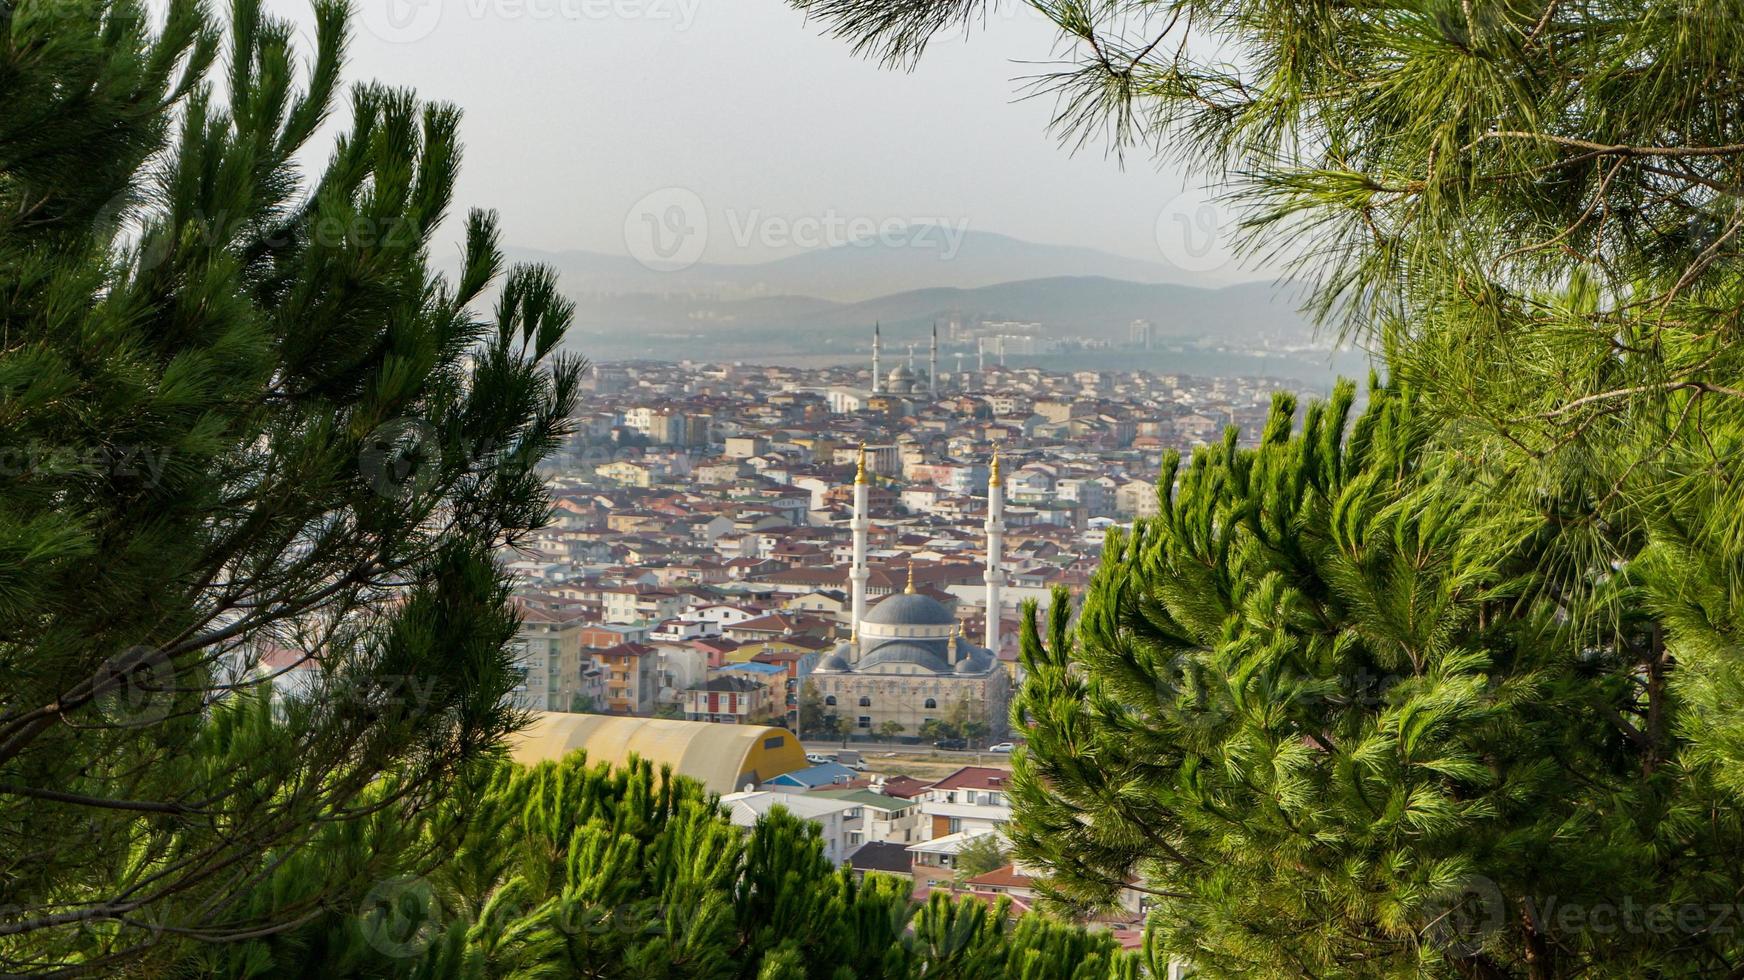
<point>1090,306</point>
<point>824,302</point>
<point>922,257</point>
<point>1246,314</point>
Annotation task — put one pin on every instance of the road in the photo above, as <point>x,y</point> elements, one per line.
<point>872,752</point>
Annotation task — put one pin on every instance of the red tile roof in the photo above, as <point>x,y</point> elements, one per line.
<point>976,777</point>
<point>904,787</point>
<point>1006,877</point>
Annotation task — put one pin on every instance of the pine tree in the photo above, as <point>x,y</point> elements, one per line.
<point>1322,711</point>
<point>242,416</point>
<point>1530,211</point>
<point>566,869</point>
<point>981,855</point>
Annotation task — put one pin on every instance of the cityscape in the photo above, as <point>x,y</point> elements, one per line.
<point>871,490</point>
<point>704,516</point>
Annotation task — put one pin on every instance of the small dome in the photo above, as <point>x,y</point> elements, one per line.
<point>834,663</point>
<point>978,661</point>
<point>905,653</point>
<point>901,373</point>
<point>910,609</point>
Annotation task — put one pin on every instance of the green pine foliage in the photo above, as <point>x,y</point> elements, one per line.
<point>566,869</point>
<point>240,415</point>
<point>1324,711</point>
<point>1364,694</point>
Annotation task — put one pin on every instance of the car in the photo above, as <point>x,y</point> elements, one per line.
<point>1001,747</point>
<point>818,759</point>
<point>953,744</point>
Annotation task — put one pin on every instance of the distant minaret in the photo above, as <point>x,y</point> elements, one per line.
<point>980,355</point>
<point>877,345</point>
<point>933,364</point>
<point>911,360</point>
<point>995,576</point>
<point>857,572</point>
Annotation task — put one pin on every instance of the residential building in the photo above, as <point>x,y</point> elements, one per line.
<point>974,799</point>
<point>730,699</point>
<point>632,677</point>
<point>835,818</point>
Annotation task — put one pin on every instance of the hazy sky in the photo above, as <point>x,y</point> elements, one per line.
<point>576,111</point>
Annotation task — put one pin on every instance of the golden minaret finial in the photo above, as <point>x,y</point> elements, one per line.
<point>993,475</point>
<point>860,477</point>
<point>910,589</point>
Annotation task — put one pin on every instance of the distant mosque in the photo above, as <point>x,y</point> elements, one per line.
<point>907,660</point>
<point>903,379</point>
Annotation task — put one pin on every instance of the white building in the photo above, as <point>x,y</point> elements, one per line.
<point>841,821</point>
<point>887,818</point>
<point>973,800</point>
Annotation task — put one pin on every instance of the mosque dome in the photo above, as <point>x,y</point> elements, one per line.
<point>975,661</point>
<point>923,655</point>
<point>910,609</point>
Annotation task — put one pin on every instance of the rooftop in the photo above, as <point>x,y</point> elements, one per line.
<point>976,777</point>
<point>885,856</point>
<point>952,843</point>
<point>910,609</point>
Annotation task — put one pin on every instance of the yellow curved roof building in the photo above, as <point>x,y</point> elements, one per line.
<point>724,758</point>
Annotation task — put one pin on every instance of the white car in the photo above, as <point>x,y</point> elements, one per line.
<point>1001,747</point>
<point>818,760</point>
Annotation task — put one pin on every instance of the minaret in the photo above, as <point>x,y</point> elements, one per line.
<point>911,360</point>
<point>980,355</point>
<point>933,364</point>
<point>995,576</point>
<point>857,572</point>
<point>877,344</point>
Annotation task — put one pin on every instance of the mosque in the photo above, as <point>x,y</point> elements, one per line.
<point>907,660</point>
<point>903,379</point>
